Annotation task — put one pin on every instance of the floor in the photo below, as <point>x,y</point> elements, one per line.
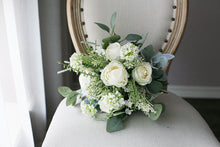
<point>210,111</point>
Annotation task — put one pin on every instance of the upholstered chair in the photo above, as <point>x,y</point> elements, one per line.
<point>164,20</point>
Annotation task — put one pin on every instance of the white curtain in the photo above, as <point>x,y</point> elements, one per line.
<point>22,98</point>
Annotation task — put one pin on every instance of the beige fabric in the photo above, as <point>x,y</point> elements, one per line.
<point>134,16</point>
<point>180,126</point>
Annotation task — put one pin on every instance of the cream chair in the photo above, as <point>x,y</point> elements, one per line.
<point>180,126</point>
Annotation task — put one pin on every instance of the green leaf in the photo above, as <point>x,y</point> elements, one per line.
<point>160,60</point>
<point>64,91</point>
<point>155,87</point>
<point>152,97</point>
<point>163,62</point>
<point>159,74</point>
<point>87,42</point>
<point>133,37</point>
<point>163,107</point>
<point>148,52</point>
<point>142,42</point>
<point>113,18</point>
<point>111,39</point>
<point>103,26</point>
<point>71,99</point>
<point>105,45</point>
<point>158,108</point>
<point>114,124</point>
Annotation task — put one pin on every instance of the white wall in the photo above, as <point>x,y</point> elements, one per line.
<point>198,56</point>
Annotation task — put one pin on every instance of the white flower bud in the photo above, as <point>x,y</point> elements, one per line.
<point>113,51</point>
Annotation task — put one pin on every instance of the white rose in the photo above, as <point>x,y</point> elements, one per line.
<point>142,73</point>
<point>115,74</point>
<point>84,82</point>
<point>113,51</point>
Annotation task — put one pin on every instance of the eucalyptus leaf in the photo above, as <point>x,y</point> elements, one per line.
<point>103,26</point>
<point>142,42</point>
<point>64,91</point>
<point>113,18</point>
<point>169,56</point>
<point>163,77</point>
<point>71,98</point>
<point>114,124</point>
<point>164,83</point>
<point>163,107</point>
<point>155,96</point>
<point>159,75</point>
<point>163,62</point>
<point>133,37</point>
<point>158,108</point>
<point>148,52</point>
<point>160,60</point>
<point>155,86</point>
<point>100,117</point>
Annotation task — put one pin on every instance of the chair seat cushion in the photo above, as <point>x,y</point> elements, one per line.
<point>180,126</point>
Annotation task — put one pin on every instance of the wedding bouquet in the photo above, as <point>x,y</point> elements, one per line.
<point>117,78</point>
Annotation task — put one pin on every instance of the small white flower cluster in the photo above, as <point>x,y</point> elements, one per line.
<point>88,110</point>
<point>84,82</point>
<point>129,52</point>
<point>131,64</point>
<point>146,108</point>
<point>129,109</point>
<point>111,102</point>
<point>77,66</point>
<point>76,62</point>
<point>99,50</point>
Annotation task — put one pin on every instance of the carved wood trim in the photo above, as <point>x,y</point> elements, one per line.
<point>73,8</point>
<point>178,29</point>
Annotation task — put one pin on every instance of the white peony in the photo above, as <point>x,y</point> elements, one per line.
<point>84,82</point>
<point>129,52</point>
<point>142,73</point>
<point>88,110</point>
<point>115,74</point>
<point>111,102</point>
<point>113,51</point>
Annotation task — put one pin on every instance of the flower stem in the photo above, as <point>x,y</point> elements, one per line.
<point>62,71</point>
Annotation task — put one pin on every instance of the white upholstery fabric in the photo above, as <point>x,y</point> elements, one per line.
<point>180,126</point>
<point>134,16</point>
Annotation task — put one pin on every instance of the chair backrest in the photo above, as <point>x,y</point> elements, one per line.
<point>164,20</point>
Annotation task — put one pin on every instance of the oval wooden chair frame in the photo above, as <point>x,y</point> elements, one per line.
<point>77,33</point>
